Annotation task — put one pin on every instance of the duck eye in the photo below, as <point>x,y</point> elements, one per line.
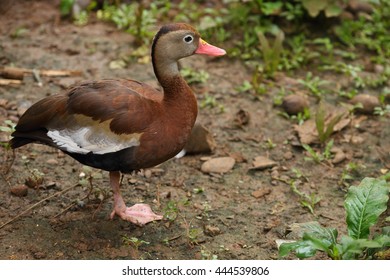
<point>188,39</point>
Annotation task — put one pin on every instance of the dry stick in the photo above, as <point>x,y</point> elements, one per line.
<point>36,204</point>
<point>6,82</point>
<point>51,73</point>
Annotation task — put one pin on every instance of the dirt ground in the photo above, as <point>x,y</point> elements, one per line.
<point>236,215</point>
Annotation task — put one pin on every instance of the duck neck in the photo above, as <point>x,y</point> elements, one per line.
<point>168,75</point>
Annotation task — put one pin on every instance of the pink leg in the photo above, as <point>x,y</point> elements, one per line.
<point>139,214</point>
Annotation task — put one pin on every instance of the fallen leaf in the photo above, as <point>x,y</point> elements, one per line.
<point>307,132</point>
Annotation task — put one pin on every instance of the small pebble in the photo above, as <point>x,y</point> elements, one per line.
<point>294,104</point>
<point>19,190</point>
<point>211,230</point>
<point>368,103</point>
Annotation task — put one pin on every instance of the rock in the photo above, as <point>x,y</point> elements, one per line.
<point>260,163</point>
<point>367,101</point>
<point>200,141</point>
<point>52,161</point>
<point>211,230</point>
<point>19,190</point>
<point>360,6</point>
<point>218,165</point>
<point>294,104</point>
<point>288,155</point>
<point>261,192</point>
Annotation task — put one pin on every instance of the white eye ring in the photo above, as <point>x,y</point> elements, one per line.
<point>188,39</point>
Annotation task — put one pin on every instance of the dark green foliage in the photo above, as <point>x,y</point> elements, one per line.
<point>363,204</point>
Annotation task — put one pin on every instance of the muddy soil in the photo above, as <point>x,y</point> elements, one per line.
<point>235,215</point>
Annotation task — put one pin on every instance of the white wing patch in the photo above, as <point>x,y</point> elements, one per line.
<point>88,139</point>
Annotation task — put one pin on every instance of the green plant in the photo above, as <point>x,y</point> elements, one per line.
<point>271,53</point>
<point>325,129</point>
<point>135,18</point>
<point>363,205</point>
<point>8,127</point>
<point>331,8</point>
<point>314,84</point>
<point>207,255</point>
<point>66,7</point>
<point>319,157</point>
<point>194,77</point>
<point>210,101</point>
<point>307,200</point>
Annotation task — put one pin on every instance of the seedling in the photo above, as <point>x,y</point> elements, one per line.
<point>210,101</point>
<point>319,157</point>
<point>300,118</point>
<point>363,205</point>
<point>207,255</point>
<point>194,77</point>
<point>314,84</point>
<point>325,130</point>
<point>271,53</point>
<point>307,200</point>
<point>269,144</point>
<point>134,243</point>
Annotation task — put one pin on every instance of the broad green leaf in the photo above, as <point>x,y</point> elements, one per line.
<point>351,248</point>
<point>314,237</point>
<point>306,249</point>
<point>363,206</point>
<point>316,230</point>
<point>287,247</point>
<point>303,249</point>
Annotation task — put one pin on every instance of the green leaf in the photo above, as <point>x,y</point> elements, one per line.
<point>363,206</point>
<point>351,247</point>
<point>333,10</point>
<point>313,6</point>
<point>303,249</point>
<point>315,237</point>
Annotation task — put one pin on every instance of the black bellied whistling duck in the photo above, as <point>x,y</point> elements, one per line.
<point>123,125</point>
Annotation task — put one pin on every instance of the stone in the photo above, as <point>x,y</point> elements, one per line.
<point>218,165</point>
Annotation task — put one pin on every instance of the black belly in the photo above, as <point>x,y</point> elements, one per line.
<point>123,160</point>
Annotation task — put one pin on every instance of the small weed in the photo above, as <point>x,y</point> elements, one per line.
<point>307,200</point>
<point>194,77</point>
<point>19,32</point>
<point>134,244</point>
<point>300,118</point>
<point>319,157</point>
<point>325,130</point>
<point>269,144</point>
<point>244,87</point>
<point>271,53</point>
<point>314,84</point>
<point>382,111</point>
<point>210,101</point>
<point>349,173</point>
<point>207,255</point>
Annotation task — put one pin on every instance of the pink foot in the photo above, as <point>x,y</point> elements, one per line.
<point>139,214</point>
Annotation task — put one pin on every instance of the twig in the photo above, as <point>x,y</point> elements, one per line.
<point>4,71</point>
<point>9,82</point>
<point>36,204</point>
